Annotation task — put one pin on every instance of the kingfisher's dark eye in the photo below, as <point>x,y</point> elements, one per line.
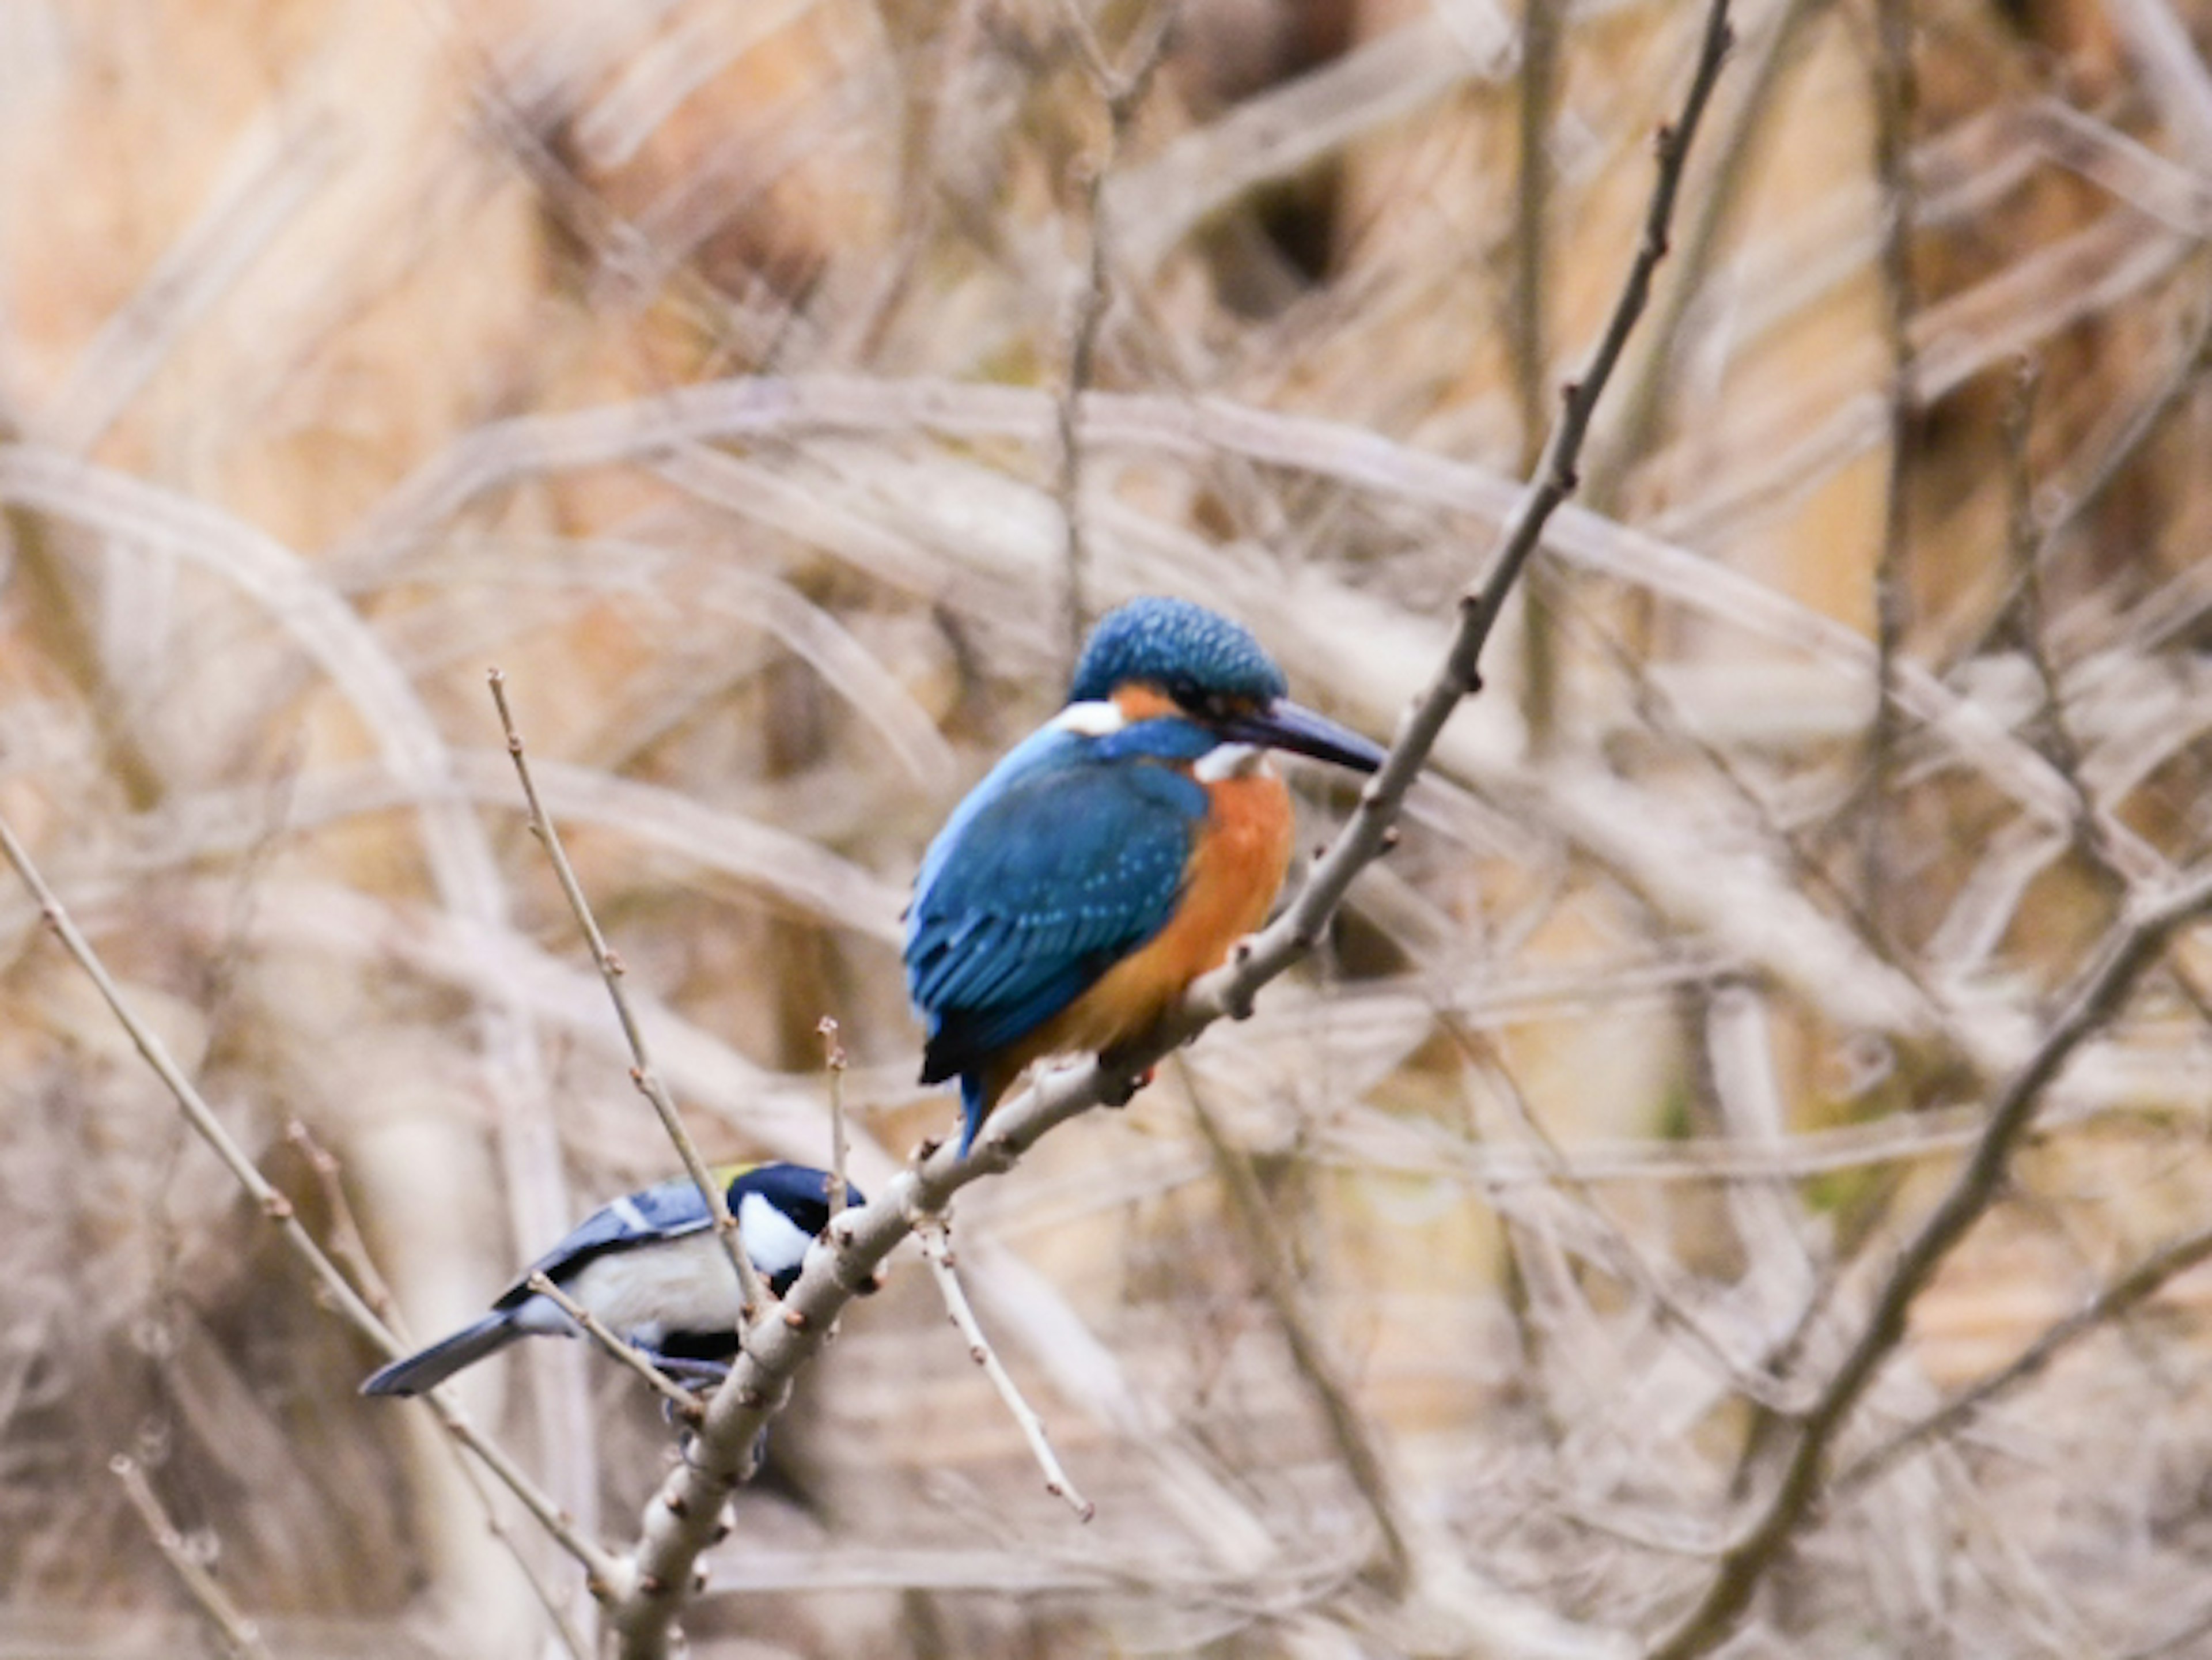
<point>1211,707</point>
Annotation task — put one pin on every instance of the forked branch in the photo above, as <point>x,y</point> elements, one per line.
<point>2098,993</point>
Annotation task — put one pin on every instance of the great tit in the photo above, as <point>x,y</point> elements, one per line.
<point>648,1265</point>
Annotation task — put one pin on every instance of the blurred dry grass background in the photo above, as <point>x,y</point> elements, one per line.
<point>701,363</point>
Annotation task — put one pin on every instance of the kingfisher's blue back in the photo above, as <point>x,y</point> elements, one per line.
<point>1067,857</point>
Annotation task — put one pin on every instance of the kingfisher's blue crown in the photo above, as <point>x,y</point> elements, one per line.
<point>1177,645</point>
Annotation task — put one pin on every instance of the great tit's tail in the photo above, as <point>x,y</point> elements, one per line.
<point>425,1369</point>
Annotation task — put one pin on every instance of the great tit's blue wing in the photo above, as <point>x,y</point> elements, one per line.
<point>666,1210</point>
<point>1038,889</point>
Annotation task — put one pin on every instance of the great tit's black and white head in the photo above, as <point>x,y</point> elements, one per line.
<point>781,1210</point>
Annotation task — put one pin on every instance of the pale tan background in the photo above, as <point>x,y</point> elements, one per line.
<point>700,363</point>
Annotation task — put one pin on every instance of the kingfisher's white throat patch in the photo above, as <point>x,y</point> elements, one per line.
<point>1227,761</point>
<point>1096,719</point>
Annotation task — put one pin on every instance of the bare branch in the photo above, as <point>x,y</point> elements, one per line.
<point>332,1284</point>
<point>1347,1427</point>
<point>549,1599</point>
<point>1895,101</point>
<point>271,1203</point>
<point>835,1059</point>
<point>752,1295</point>
<point>1121,93</point>
<point>937,1251</point>
<point>686,1405</point>
<point>600,1568</point>
<point>2096,995</point>
<point>347,1244</point>
<point>2112,1303</point>
<point>238,1633</point>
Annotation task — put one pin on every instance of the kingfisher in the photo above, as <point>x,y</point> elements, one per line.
<point>1114,855</point>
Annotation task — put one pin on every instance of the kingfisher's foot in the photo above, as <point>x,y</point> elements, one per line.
<point>1125,1083</point>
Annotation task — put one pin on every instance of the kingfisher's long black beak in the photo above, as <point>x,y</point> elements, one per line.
<point>1283,725</point>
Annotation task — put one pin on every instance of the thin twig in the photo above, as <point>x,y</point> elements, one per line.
<point>347,1243</point>
<point>1758,1381</point>
<point>642,1071</point>
<point>2057,526</point>
<point>602,1570</point>
<point>679,1521</point>
<point>272,1204</point>
<point>2116,1299</point>
<point>833,1057</point>
<point>685,1403</point>
<point>549,1599</point>
<point>937,1251</point>
<point>2022,538</point>
<point>1121,92</point>
<point>2096,995</point>
<point>1895,99</point>
<point>1542,27</point>
<point>239,1633</point>
<point>1348,1427</point>
<point>1735,151</point>
<point>332,1284</point>
<point>2190,365</point>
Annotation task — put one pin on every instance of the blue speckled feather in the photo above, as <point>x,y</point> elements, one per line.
<point>1074,851</point>
<point>1066,859</point>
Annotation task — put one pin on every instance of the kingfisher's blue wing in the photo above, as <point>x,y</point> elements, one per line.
<point>666,1210</point>
<point>1039,884</point>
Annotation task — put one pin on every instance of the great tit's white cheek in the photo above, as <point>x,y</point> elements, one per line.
<point>650,1291</point>
<point>774,1242</point>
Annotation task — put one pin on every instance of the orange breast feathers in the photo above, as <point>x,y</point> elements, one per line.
<point>1242,855</point>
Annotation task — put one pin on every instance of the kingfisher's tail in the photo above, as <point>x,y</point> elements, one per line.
<point>974,1102</point>
<point>427,1368</point>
